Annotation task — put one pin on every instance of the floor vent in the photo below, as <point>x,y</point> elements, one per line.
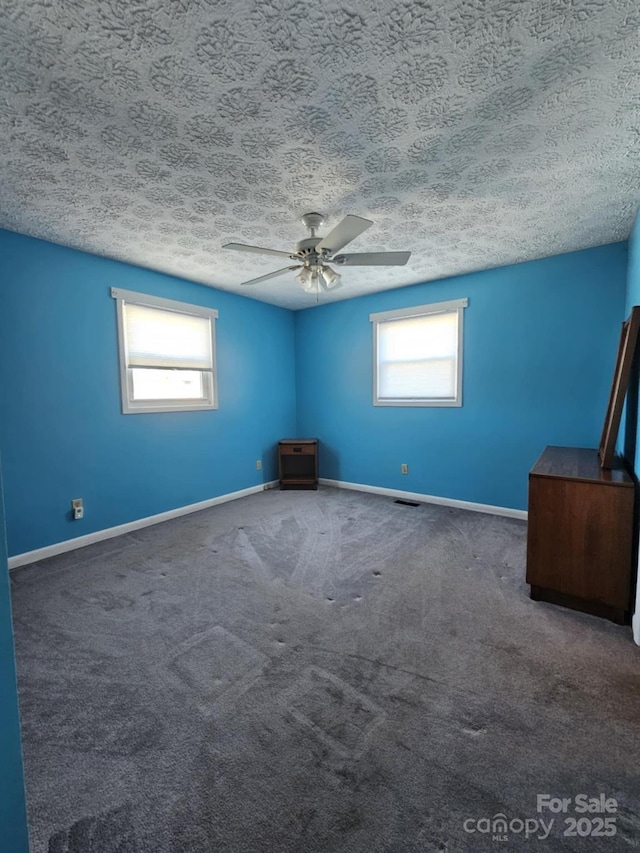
<point>406,503</point>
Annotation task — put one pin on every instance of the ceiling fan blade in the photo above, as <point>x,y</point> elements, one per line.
<point>372,259</point>
<point>343,233</point>
<point>270,275</point>
<point>241,247</point>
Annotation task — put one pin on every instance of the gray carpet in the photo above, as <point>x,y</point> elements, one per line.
<point>315,671</point>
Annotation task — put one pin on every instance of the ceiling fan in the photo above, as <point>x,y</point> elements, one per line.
<point>314,254</point>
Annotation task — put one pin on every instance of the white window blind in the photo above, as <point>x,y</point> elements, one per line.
<point>418,355</point>
<point>167,354</point>
<point>159,338</point>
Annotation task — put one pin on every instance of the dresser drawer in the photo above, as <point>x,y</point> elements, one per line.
<point>308,449</point>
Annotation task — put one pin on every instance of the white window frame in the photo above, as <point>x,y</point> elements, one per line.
<point>419,311</point>
<point>210,380</point>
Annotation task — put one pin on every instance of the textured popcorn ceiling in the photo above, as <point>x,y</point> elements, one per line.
<point>474,133</point>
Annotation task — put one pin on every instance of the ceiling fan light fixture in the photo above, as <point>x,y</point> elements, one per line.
<point>331,278</point>
<point>304,279</point>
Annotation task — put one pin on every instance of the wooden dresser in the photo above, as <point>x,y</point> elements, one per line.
<point>580,533</point>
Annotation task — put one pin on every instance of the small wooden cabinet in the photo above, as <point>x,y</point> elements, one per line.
<point>580,533</point>
<point>298,463</point>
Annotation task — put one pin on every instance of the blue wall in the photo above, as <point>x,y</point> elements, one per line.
<point>540,340</point>
<point>13,818</point>
<point>62,433</point>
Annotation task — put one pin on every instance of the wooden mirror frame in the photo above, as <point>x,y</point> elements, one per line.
<point>624,362</point>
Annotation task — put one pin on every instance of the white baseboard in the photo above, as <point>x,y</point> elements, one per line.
<point>120,529</point>
<point>428,499</point>
<point>635,625</point>
<point>111,532</point>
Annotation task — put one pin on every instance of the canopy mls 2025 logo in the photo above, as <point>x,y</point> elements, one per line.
<point>580,816</point>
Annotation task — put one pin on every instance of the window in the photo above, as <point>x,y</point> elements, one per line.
<point>167,354</point>
<point>417,355</point>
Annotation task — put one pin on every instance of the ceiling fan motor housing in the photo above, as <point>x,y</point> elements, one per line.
<point>307,246</point>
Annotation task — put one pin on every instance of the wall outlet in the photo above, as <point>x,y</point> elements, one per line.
<point>259,465</point>
<point>404,468</point>
<point>77,508</point>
